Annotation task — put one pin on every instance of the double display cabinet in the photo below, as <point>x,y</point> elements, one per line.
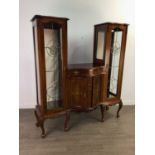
<point>63,88</point>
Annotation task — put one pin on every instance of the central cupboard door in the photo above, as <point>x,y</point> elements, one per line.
<point>80,92</point>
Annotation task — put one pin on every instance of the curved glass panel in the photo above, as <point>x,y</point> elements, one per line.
<point>52,46</point>
<point>114,62</point>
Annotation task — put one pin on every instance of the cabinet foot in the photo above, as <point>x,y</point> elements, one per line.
<point>66,126</point>
<point>119,108</point>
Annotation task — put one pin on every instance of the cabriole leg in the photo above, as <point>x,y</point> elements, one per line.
<point>37,118</point>
<point>107,108</point>
<point>40,123</point>
<point>66,128</point>
<point>102,108</point>
<point>42,129</point>
<point>119,108</point>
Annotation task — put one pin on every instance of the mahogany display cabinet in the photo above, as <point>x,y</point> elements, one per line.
<point>63,88</point>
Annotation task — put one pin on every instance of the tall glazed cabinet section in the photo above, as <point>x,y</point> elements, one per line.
<point>109,51</point>
<point>50,47</point>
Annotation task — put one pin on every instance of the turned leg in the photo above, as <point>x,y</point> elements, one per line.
<point>119,108</point>
<point>66,128</point>
<point>102,107</point>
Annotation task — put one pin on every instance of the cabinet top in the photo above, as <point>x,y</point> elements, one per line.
<point>111,23</point>
<point>47,17</point>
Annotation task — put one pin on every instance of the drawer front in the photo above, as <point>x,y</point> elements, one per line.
<point>80,91</point>
<point>77,73</point>
<point>86,72</point>
<point>97,71</point>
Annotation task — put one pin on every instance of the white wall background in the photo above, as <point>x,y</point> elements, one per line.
<point>83,15</point>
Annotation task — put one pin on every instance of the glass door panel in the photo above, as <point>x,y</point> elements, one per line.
<point>52,47</point>
<point>114,62</point>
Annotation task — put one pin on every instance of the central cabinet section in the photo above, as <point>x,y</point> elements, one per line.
<point>84,86</point>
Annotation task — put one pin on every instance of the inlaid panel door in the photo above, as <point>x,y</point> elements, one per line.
<point>80,90</point>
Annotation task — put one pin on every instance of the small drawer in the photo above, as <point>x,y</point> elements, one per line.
<point>71,73</point>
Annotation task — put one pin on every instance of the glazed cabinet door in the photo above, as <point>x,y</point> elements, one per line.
<point>116,60</point>
<point>109,51</point>
<point>80,92</point>
<point>53,68</point>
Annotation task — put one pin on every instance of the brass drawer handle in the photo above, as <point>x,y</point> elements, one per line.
<point>76,72</point>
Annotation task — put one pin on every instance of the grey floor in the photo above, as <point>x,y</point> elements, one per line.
<point>87,135</point>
